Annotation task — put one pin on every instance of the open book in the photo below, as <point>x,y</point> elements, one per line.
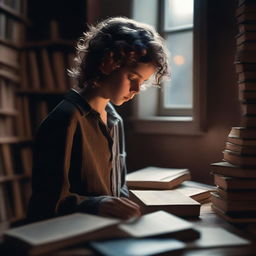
<point>49,235</point>
<point>168,200</point>
<point>157,178</point>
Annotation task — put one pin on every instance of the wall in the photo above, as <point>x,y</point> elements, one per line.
<point>223,109</point>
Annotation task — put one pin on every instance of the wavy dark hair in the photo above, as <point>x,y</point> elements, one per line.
<point>129,42</point>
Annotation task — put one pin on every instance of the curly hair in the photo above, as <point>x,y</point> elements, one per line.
<point>129,42</point>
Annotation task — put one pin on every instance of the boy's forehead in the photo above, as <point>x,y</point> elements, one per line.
<point>143,70</point>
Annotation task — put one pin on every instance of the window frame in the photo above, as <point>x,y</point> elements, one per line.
<point>146,118</point>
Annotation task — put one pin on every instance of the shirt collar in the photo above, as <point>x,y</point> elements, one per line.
<point>84,107</point>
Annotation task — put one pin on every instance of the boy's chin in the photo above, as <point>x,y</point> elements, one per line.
<point>118,103</point>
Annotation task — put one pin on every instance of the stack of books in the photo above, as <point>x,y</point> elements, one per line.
<point>235,199</point>
<point>168,189</point>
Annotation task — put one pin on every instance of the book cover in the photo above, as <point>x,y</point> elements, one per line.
<point>157,178</point>
<point>230,170</point>
<point>230,183</point>
<point>168,200</point>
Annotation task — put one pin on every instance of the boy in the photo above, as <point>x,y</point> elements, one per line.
<point>79,154</point>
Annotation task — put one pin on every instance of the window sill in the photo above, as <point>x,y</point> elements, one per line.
<point>166,125</point>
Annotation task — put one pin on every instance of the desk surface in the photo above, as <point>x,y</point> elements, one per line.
<point>207,219</point>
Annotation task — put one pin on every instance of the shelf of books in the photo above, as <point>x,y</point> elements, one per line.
<point>15,136</point>
<point>235,199</point>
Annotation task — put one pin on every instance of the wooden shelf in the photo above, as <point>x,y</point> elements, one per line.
<point>12,140</point>
<point>13,177</point>
<point>41,92</point>
<point>10,76</point>
<point>14,13</point>
<point>8,112</point>
<point>51,43</point>
<point>10,44</point>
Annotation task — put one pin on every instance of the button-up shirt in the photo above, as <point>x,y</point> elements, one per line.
<point>78,160</point>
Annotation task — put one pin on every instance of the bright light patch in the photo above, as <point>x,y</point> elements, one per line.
<point>178,60</point>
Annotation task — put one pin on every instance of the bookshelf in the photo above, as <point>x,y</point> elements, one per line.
<point>15,150</point>
<point>33,79</point>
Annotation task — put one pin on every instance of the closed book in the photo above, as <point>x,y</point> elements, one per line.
<point>239,159</point>
<point>246,95</point>
<point>244,217</point>
<point>168,200</point>
<point>245,56</point>
<point>246,27</point>
<point>247,46</point>
<point>242,141</point>
<point>249,195</point>
<point>243,37</point>
<point>242,67</point>
<point>230,183</point>
<point>247,86</point>
<point>249,121</point>
<point>247,76</point>
<point>246,8</point>
<point>157,178</point>
<point>249,109</point>
<point>49,235</point>
<point>249,18</point>
<point>242,133</point>
<point>233,205</point>
<point>242,150</point>
<point>198,191</point>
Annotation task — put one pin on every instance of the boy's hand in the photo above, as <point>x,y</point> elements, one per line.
<point>119,207</point>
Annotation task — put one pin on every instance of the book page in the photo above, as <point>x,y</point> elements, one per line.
<point>162,197</point>
<point>60,228</point>
<point>155,174</point>
<point>156,223</point>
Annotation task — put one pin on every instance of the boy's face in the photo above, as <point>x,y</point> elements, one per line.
<point>124,83</point>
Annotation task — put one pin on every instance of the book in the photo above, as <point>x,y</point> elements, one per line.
<point>243,37</point>
<point>157,178</point>
<point>246,46</point>
<point>230,183</point>
<point>238,159</point>
<point>242,67</point>
<point>234,217</point>
<point>249,7</point>
<point>198,191</point>
<point>49,235</point>
<point>59,70</point>
<point>35,81</point>
<point>242,142</point>
<point>168,200</point>
<point>237,194</point>
<point>230,170</point>
<point>213,237</point>
<point>246,27</point>
<point>246,95</point>
<point>242,133</point>
<point>246,18</point>
<point>248,121</point>
<point>242,150</point>
<point>246,76</point>
<point>245,56</point>
<point>139,247</point>
<point>233,205</point>
<point>248,109</point>
<point>47,70</point>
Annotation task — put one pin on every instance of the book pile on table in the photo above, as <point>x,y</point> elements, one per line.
<point>235,199</point>
<point>168,189</point>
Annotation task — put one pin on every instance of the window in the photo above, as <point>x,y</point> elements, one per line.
<point>176,98</point>
<point>180,106</point>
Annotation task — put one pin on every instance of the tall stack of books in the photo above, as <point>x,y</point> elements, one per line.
<point>235,199</point>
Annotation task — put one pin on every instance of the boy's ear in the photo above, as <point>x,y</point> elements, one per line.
<point>108,64</point>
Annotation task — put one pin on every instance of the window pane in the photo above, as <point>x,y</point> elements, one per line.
<point>178,13</point>
<point>178,92</point>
